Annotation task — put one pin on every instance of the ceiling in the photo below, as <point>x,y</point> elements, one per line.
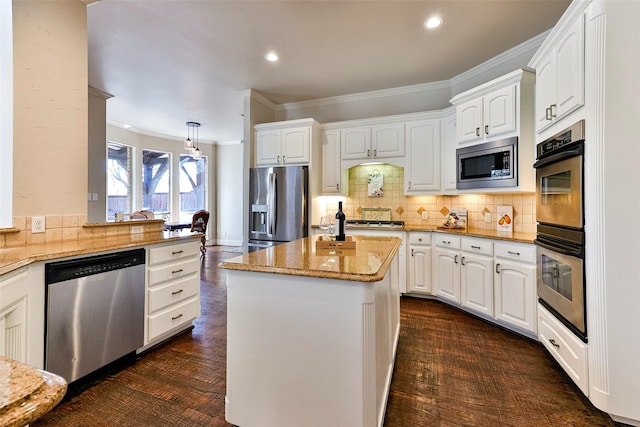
<point>171,61</point>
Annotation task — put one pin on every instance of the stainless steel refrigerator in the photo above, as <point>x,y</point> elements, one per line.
<point>278,205</point>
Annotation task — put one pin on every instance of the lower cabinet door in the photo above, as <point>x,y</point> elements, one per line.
<point>476,284</point>
<point>420,269</point>
<point>446,274</point>
<point>515,299</point>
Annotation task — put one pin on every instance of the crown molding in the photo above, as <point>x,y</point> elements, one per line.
<point>364,96</point>
<point>531,44</point>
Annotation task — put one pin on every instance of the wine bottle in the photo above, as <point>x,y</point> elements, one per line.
<point>340,219</point>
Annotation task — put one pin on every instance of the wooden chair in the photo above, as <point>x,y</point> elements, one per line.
<point>199,223</point>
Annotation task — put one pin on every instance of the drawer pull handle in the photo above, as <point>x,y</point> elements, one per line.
<point>177,317</point>
<point>553,343</point>
<point>420,239</point>
<point>177,271</point>
<point>498,268</point>
<point>475,247</point>
<point>177,292</point>
<point>462,261</point>
<point>486,129</point>
<point>445,242</point>
<point>411,252</point>
<point>176,252</point>
<point>455,259</point>
<point>513,253</point>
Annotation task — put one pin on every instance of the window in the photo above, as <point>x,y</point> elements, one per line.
<point>193,185</point>
<point>155,181</point>
<point>119,179</point>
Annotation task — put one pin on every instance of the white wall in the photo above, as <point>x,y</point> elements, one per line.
<point>229,176</point>
<point>6,115</point>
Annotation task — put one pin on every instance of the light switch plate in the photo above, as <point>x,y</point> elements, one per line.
<point>487,217</point>
<point>425,214</point>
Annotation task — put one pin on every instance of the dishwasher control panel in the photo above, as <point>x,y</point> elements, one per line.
<point>61,271</point>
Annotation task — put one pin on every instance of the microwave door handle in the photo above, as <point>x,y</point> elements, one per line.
<point>556,158</point>
<point>560,250</point>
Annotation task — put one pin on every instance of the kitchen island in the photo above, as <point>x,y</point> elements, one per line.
<point>312,333</point>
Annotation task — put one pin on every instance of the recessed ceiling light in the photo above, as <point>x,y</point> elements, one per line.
<point>433,22</point>
<point>271,57</point>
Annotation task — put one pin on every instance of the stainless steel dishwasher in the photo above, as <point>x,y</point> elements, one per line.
<point>95,311</point>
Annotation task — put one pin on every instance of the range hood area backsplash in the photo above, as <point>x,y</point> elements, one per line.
<point>409,208</point>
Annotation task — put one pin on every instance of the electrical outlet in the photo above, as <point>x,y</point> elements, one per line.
<point>487,217</point>
<point>425,214</point>
<point>37,224</point>
<point>137,229</point>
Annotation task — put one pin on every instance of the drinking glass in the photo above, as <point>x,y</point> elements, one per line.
<point>325,225</point>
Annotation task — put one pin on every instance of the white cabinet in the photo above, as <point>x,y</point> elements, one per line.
<point>560,76</point>
<point>449,145</point>
<point>22,315</point>
<point>419,263</point>
<point>565,347</point>
<point>501,108</point>
<point>173,289</point>
<point>422,171</point>
<point>373,142</point>
<point>402,260</point>
<point>284,143</point>
<point>331,166</point>
<point>515,285</point>
<point>446,267</point>
<point>487,117</point>
<point>476,281</point>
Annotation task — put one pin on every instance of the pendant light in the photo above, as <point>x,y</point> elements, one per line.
<point>191,145</point>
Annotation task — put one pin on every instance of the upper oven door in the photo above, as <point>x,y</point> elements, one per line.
<point>559,193</point>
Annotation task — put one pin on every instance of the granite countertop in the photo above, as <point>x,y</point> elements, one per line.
<point>27,393</point>
<point>12,258</point>
<point>473,232</point>
<point>368,262</point>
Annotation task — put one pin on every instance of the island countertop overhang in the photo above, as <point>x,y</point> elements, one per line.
<point>369,262</point>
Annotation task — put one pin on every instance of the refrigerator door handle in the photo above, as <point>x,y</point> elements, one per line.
<point>271,213</point>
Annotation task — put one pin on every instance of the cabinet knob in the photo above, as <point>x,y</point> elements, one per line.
<point>420,239</point>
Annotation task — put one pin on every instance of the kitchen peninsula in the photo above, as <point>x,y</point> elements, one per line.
<point>312,333</point>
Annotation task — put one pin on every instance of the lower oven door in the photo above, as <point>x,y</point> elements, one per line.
<point>560,276</point>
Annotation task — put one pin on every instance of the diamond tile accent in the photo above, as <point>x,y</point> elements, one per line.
<point>444,211</point>
<point>399,211</point>
<point>359,210</point>
<point>421,210</point>
<point>485,210</point>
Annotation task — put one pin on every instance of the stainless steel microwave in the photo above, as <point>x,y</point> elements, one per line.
<point>489,165</point>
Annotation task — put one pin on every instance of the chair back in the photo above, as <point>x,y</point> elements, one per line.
<point>199,221</point>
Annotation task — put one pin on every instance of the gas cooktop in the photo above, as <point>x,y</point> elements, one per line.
<point>374,223</point>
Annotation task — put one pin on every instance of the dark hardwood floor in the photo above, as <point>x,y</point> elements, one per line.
<point>452,369</point>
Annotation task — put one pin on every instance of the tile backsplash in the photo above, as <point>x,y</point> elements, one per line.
<point>409,208</point>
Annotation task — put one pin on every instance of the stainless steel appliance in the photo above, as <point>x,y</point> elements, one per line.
<point>95,311</point>
<point>278,205</point>
<point>560,234</point>
<point>489,165</point>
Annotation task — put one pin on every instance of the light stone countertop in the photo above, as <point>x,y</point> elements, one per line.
<point>27,393</point>
<point>472,232</point>
<point>368,262</point>
<point>12,258</point>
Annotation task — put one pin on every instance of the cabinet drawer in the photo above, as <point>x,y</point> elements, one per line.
<point>565,347</point>
<point>173,271</point>
<point>175,252</point>
<point>478,246</point>
<point>165,321</point>
<point>517,252</point>
<point>175,291</point>
<point>447,241</point>
<point>419,238</point>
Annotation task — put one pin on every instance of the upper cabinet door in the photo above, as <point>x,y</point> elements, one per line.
<point>499,112</point>
<point>570,70</point>
<point>545,93</point>
<point>422,170</point>
<point>387,140</point>
<point>331,171</point>
<point>469,121</point>
<point>295,145</point>
<point>268,147</point>
<point>356,143</point>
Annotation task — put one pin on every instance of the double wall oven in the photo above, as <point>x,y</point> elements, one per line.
<point>560,233</point>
